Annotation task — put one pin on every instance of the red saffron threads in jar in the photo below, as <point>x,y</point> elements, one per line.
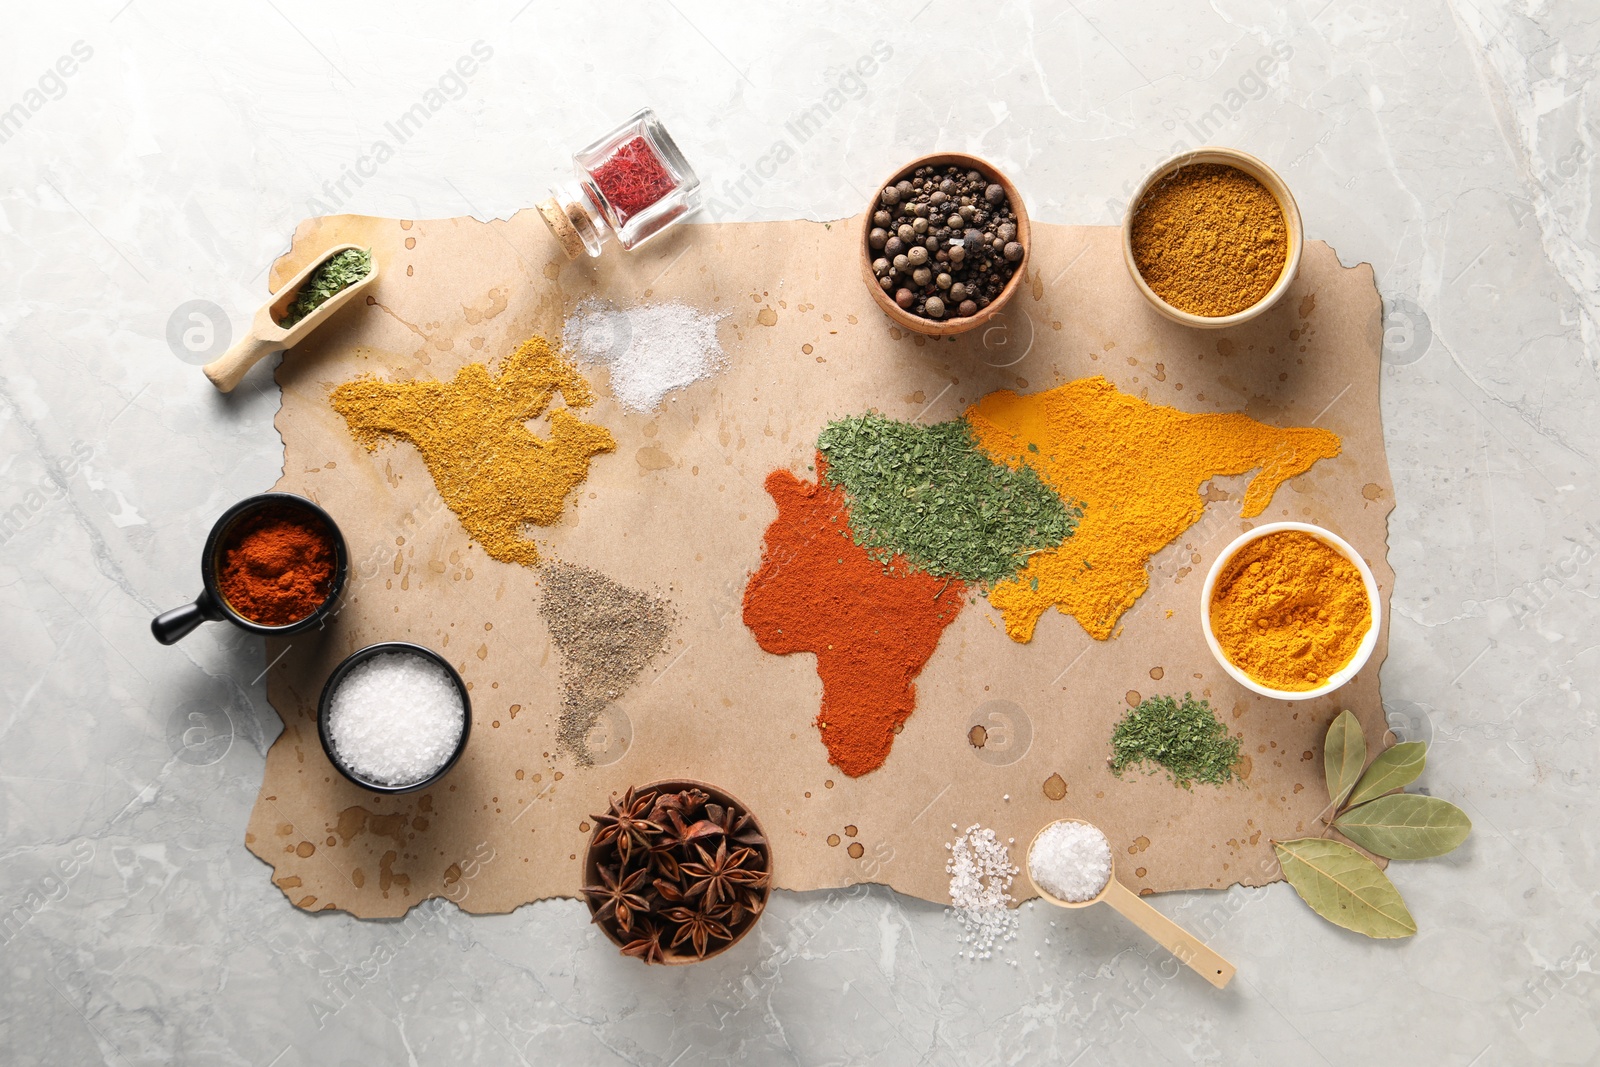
<point>633,178</point>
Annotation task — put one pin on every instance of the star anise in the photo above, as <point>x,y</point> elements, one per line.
<point>665,887</point>
<point>665,864</point>
<point>646,944</point>
<point>626,823</point>
<point>617,898</point>
<point>678,832</point>
<point>698,928</point>
<point>716,877</point>
<point>736,827</point>
<point>747,902</point>
<point>683,802</point>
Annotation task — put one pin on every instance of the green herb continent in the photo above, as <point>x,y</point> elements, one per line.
<point>1186,739</point>
<point>337,272</point>
<point>930,494</point>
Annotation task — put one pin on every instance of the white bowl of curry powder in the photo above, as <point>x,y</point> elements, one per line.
<point>1290,611</point>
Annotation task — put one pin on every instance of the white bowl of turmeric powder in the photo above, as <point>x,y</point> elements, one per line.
<point>1212,238</point>
<point>1290,611</point>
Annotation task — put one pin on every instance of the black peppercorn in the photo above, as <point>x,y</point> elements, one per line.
<point>947,240</point>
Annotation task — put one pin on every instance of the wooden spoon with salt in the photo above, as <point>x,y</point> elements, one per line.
<point>1168,934</point>
<point>266,336</point>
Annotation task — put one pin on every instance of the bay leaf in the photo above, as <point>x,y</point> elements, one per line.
<point>1406,826</point>
<point>1344,753</point>
<point>1394,769</point>
<point>1344,887</point>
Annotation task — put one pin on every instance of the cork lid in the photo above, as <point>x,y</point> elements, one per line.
<point>566,234</point>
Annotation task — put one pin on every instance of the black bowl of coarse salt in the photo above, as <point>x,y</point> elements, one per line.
<point>394,717</point>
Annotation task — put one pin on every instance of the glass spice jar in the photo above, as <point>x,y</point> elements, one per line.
<point>630,185</point>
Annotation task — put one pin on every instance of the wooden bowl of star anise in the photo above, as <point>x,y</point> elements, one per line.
<point>676,872</point>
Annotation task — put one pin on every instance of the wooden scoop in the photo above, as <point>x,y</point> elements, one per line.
<point>266,336</point>
<point>1168,934</point>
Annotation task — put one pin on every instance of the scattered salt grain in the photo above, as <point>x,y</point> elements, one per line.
<point>1071,861</point>
<point>651,349</point>
<point>396,718</point>
<point>980,871</point>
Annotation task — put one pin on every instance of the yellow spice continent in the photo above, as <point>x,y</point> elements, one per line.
<point>494,473</point>
<point>1137,467</point>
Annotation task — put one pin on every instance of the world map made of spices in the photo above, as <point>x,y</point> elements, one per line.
<point>1052,499</point>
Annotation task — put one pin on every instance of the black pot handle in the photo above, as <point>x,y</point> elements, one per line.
<point>173,626</point>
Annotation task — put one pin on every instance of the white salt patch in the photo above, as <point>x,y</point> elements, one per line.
<point>1070,861</point>
<point>396,718</point>
<point>650,349</point>
<point>980,873</point>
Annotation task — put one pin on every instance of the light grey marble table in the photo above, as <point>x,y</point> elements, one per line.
<point>154,154</point>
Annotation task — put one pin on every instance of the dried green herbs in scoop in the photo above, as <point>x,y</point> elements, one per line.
<point>336,274</point>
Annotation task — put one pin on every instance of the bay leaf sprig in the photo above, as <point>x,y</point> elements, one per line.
<point>1345,887</point>
<point>1344,754</point>
<point>1340,883</point>
<point>1405,826</point>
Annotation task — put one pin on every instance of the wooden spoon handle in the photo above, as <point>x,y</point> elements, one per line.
<point>228,369</point>
<point>1174,938</point>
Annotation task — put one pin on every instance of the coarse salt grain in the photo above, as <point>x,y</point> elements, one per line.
<point>980,871</point>
<point>396,718</point>
<point>651,349</point>
<point>1070,861</point>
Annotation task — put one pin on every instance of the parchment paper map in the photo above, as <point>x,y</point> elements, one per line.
<point>678,512</point>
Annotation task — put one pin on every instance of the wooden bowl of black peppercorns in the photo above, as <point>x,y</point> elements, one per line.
<point>930,275</point>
